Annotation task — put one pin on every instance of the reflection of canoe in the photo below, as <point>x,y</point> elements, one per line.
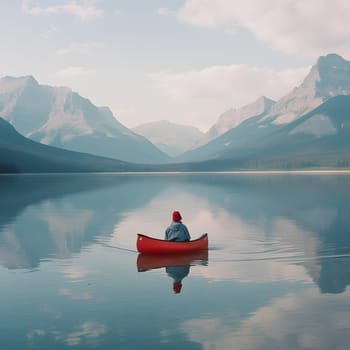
<point>151,245</point>
<point>156,261</point>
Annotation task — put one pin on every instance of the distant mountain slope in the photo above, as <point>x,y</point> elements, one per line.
<point>324,130</point>
<point>19,154</point>
<point>328,78</point>
<point>234,141</point>
<point>233,117</point>
<point>59,117</point>
<point>171,138</point>
<point>320,138</point>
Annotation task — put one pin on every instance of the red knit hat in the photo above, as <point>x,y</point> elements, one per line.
<point>177,287</point>
<point>177,216</point>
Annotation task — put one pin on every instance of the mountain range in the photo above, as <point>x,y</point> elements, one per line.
<point>59,117</point>
<point>307,128</point>
<point>19,154</point>
<point>328,78</point>
<point>233,117</point>
<point>173,139</point>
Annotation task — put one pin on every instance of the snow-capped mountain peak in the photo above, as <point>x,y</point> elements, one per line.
<point>61,117</point>
<point>329,77</point>
<point>11,89</point>
<point>11,84</point>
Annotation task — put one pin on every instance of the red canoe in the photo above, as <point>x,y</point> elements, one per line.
<point>151,245</point>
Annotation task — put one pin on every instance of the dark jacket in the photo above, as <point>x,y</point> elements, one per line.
<point>178,232</point>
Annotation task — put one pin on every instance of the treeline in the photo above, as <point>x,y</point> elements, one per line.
<point>8,169</point>
<point>298,162</point>
<point>291,162</point>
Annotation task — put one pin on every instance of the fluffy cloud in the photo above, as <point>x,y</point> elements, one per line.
<point>306,320</point>
<point>242,264</point>
<point>65,226</point>
<point>74,295</point>
<point>87,333</point>
<point>75,273</point>
<point>85,9</point>
<point>230,85</point>
<point>312,27</point>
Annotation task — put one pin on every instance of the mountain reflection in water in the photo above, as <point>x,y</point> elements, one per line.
<point>278,275</point>
<point>56,216</point>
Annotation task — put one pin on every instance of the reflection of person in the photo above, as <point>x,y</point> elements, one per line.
<point>177,231</point>
<point>177,273</point>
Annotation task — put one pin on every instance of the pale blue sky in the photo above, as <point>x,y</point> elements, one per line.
<point>182,60</point>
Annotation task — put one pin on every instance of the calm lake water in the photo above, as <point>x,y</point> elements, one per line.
<point>276,276</point>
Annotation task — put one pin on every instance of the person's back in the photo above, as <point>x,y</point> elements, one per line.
<point>177,231</point>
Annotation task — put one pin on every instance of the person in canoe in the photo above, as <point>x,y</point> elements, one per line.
<point>177,231</point>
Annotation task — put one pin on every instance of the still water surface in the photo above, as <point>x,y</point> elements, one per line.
<point>276,276</point>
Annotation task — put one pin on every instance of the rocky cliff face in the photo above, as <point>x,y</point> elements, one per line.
<point>59,116</point>
<point>329,77</point>
<point>233,117</point>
